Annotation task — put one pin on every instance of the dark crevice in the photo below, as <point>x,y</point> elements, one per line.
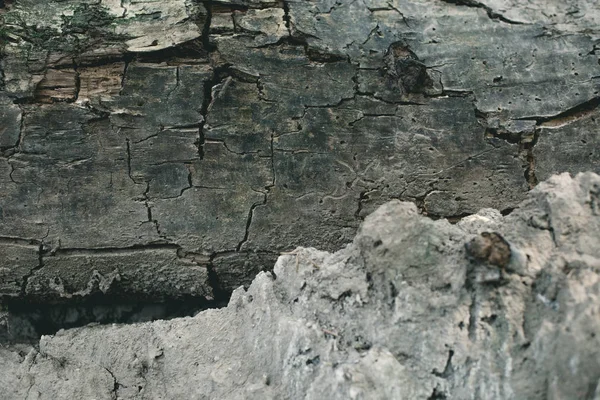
<point>573,114</point>
<point>13,240</point>
<point>128,148</point>
<point>208,46</point>
<point>147,204</point>
<point>455,93</point>
<point>186,53</point>
<point>453,219</point>
<point>286,16</point>
<point>220,295</point>
<point>507,211</point>
<point>28,320</point>
<point>437,395</point>
<point>448,369</point>
<point>491,13</point>
<point>116,250</point>
<point>116,384</point>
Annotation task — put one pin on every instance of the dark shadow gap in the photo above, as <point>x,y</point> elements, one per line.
<point>25,321</point>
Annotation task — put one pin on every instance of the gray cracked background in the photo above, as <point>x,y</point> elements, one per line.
<point>177,148</point>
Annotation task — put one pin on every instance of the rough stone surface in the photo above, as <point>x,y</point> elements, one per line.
<point>404,312</point>
<point>234,130</point>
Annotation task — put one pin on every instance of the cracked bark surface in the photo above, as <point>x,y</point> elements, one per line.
<point>493,307</point>
<point>195,141</point>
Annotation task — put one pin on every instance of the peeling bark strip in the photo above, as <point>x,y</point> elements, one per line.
<point>230,131</point>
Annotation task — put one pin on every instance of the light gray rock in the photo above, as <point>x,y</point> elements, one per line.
<point>404,312</point>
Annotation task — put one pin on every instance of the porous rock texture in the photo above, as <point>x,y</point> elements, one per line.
<point>193,141</point>
<point>412,309</point>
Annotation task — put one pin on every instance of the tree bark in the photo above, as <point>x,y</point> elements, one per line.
<point>177,148</point>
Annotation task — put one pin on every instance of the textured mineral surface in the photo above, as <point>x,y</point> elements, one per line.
<point>493,307</point>
<point>176,148</point>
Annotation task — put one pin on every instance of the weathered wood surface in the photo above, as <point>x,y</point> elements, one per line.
<point>194,141</point>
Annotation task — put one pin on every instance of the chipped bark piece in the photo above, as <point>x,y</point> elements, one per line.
<point>57,85</point>
<point>103,81</point>
<point>490,247</point>
<point>403,65</point>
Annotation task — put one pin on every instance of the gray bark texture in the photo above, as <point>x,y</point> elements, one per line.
<point>493,307</point>
<point>176,148</point>
<point>155,156</point>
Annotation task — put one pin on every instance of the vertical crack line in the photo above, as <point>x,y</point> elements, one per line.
<point>21,128</point>
<point>10,175</point>
<point>124,8</point>
<point>201,138</point>
<point>189,177</point>
<point>77,81</point>
<point>127,60</point>
<point>249,222</point>
<point>146,202</point>
<point>116,384</point>
<point>286,16</point>
<point>473,312</point>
